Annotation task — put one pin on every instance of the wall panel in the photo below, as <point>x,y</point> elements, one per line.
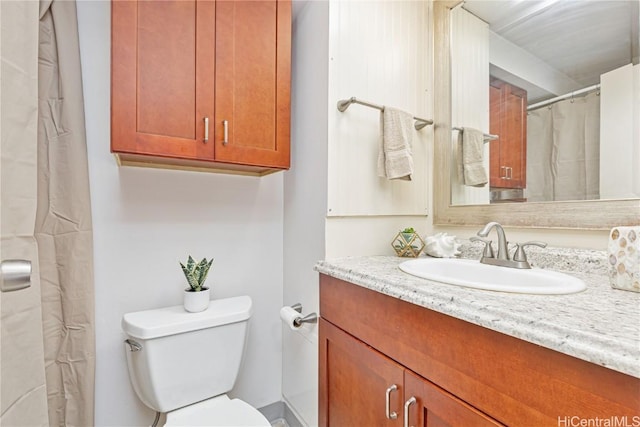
<point>469,93</point>
<point>378,52</point>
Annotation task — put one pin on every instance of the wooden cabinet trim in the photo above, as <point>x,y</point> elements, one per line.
<point>123,81</point>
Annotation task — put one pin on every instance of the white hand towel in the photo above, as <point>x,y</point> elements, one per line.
<point>394,157</point>
<point>471,169</point>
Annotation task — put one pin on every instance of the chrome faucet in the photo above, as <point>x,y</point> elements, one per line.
<point>502,257</point>
<point>503,251</point>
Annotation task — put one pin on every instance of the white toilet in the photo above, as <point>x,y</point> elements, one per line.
<point>183,363</point>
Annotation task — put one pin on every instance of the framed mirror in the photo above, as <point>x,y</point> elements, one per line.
<point>581,214</point>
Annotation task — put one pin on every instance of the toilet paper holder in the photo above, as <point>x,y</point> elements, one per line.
<point>309,318</point>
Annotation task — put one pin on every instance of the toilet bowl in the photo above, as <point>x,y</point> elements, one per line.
<point>219,411</point>
<point>183,364</point>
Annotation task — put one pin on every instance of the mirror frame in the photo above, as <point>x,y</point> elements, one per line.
<point>587,215</point>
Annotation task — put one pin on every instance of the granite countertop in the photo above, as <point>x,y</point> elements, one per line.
<point>600,325</point>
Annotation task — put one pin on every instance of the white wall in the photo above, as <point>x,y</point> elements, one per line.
<point>146,220</point>
<point>619,135</point>
<point>378,52</point>
<point>305,200</point>
<point>511,62</point>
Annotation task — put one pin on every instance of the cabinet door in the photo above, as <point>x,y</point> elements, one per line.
<point>354,379</point>
<point>429,405</point>
<point>508,119</point>
<point>158,100</point>
<point>252,82</point>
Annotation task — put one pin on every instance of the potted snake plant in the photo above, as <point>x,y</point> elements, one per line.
<point>196,296</point>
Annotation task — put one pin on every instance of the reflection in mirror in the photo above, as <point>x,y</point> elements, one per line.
<point>576,214</point>
<point>559,83</point>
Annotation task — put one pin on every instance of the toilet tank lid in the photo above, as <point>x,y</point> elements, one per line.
<point>161,322</point>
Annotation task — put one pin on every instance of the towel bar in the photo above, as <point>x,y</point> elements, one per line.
<point>344,104</point>
<point>487,136</point>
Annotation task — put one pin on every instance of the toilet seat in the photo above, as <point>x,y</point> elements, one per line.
<point>219,411</point>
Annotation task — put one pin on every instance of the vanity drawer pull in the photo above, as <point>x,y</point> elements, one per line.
<point>390,415</point>
<point>406,410</point>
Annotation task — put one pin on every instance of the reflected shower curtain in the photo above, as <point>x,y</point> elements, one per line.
<point>563,150</point>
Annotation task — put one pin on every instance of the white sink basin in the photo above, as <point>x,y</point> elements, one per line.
<point>472,274</point>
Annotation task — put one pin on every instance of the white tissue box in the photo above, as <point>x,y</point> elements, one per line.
<point>624,258</point>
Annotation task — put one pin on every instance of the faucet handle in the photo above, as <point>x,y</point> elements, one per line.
<point>520,255</point>
<point>488,249</point>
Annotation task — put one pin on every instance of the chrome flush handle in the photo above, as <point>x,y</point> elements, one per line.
<point>206,129</point>
<point>133,345</point>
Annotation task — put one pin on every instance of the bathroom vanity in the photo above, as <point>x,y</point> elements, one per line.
<point>400,350</point>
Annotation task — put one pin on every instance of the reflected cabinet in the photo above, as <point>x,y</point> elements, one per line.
<point>508,120</point>
<point>202,84</point>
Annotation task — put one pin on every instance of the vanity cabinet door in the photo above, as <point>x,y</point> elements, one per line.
<point>354,379</point>
<point>430,406</point>
<point>508,120</point>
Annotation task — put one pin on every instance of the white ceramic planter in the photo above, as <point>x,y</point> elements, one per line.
<point>196,301</point>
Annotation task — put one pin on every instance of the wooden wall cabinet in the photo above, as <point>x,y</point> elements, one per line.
<point>459,374</point>
<point>201,84</point>
<point>508,120</point>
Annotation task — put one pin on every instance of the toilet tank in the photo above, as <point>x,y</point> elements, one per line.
<point>186,357</point>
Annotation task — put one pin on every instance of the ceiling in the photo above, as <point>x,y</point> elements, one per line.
<point>580,38</point>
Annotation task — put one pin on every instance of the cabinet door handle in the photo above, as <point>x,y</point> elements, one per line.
<point>206,129</point>
<point>225,126</point>
<point>509,172</point>
<point>390,415</point>
<point>503,172</point>
<point>406,410</point>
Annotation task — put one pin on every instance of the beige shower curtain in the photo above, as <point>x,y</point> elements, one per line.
<point>23,395</point>
<point>61,224</point>
<point>563,150</point>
